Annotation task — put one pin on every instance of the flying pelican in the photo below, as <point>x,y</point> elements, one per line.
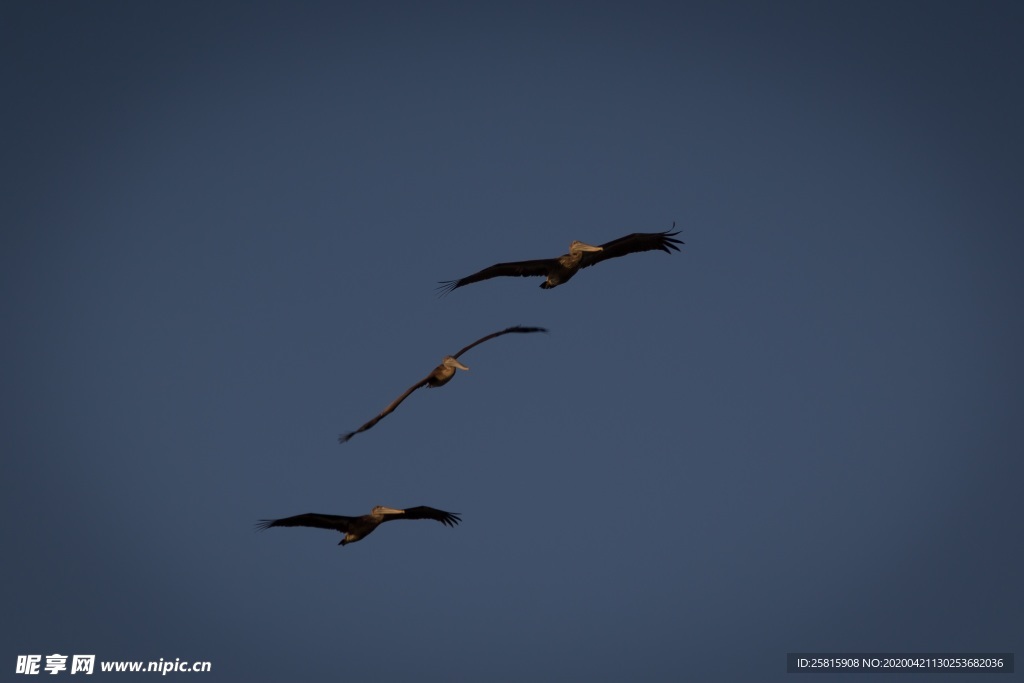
<point>358,528</point>
<point>560,270</point>
<point>439,376</point>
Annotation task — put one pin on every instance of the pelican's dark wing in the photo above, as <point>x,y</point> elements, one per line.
<point>384,413</point>
<point>313,519</point>
<point>423,512</point>
<point>518,328</point>
<point>630,244</point>
<point>514,269</point>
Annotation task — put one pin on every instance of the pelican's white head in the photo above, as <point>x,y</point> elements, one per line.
<point>453,362</point>
<point>578,247</point>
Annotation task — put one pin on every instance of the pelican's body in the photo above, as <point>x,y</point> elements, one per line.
<point>558,271</point>
<point>568,264</point>
<point>438,377</point>
<point>358,528</point>
<point>443,373</point>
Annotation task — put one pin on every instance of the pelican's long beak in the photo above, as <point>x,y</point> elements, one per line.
<point>390,511</point>
<point>588,247</point>
<point>459,365</point>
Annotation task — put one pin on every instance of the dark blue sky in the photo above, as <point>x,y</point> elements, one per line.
<point>223,225</point>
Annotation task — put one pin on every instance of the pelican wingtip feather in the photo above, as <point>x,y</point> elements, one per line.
<point>451,519</point>
<point>446,287</point>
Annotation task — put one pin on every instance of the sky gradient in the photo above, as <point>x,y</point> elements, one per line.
<point>223,226</point>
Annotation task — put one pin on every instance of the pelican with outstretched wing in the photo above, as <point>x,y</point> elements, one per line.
<point>439,376</point>
<point>358,528</point>
<point>558,271</point>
